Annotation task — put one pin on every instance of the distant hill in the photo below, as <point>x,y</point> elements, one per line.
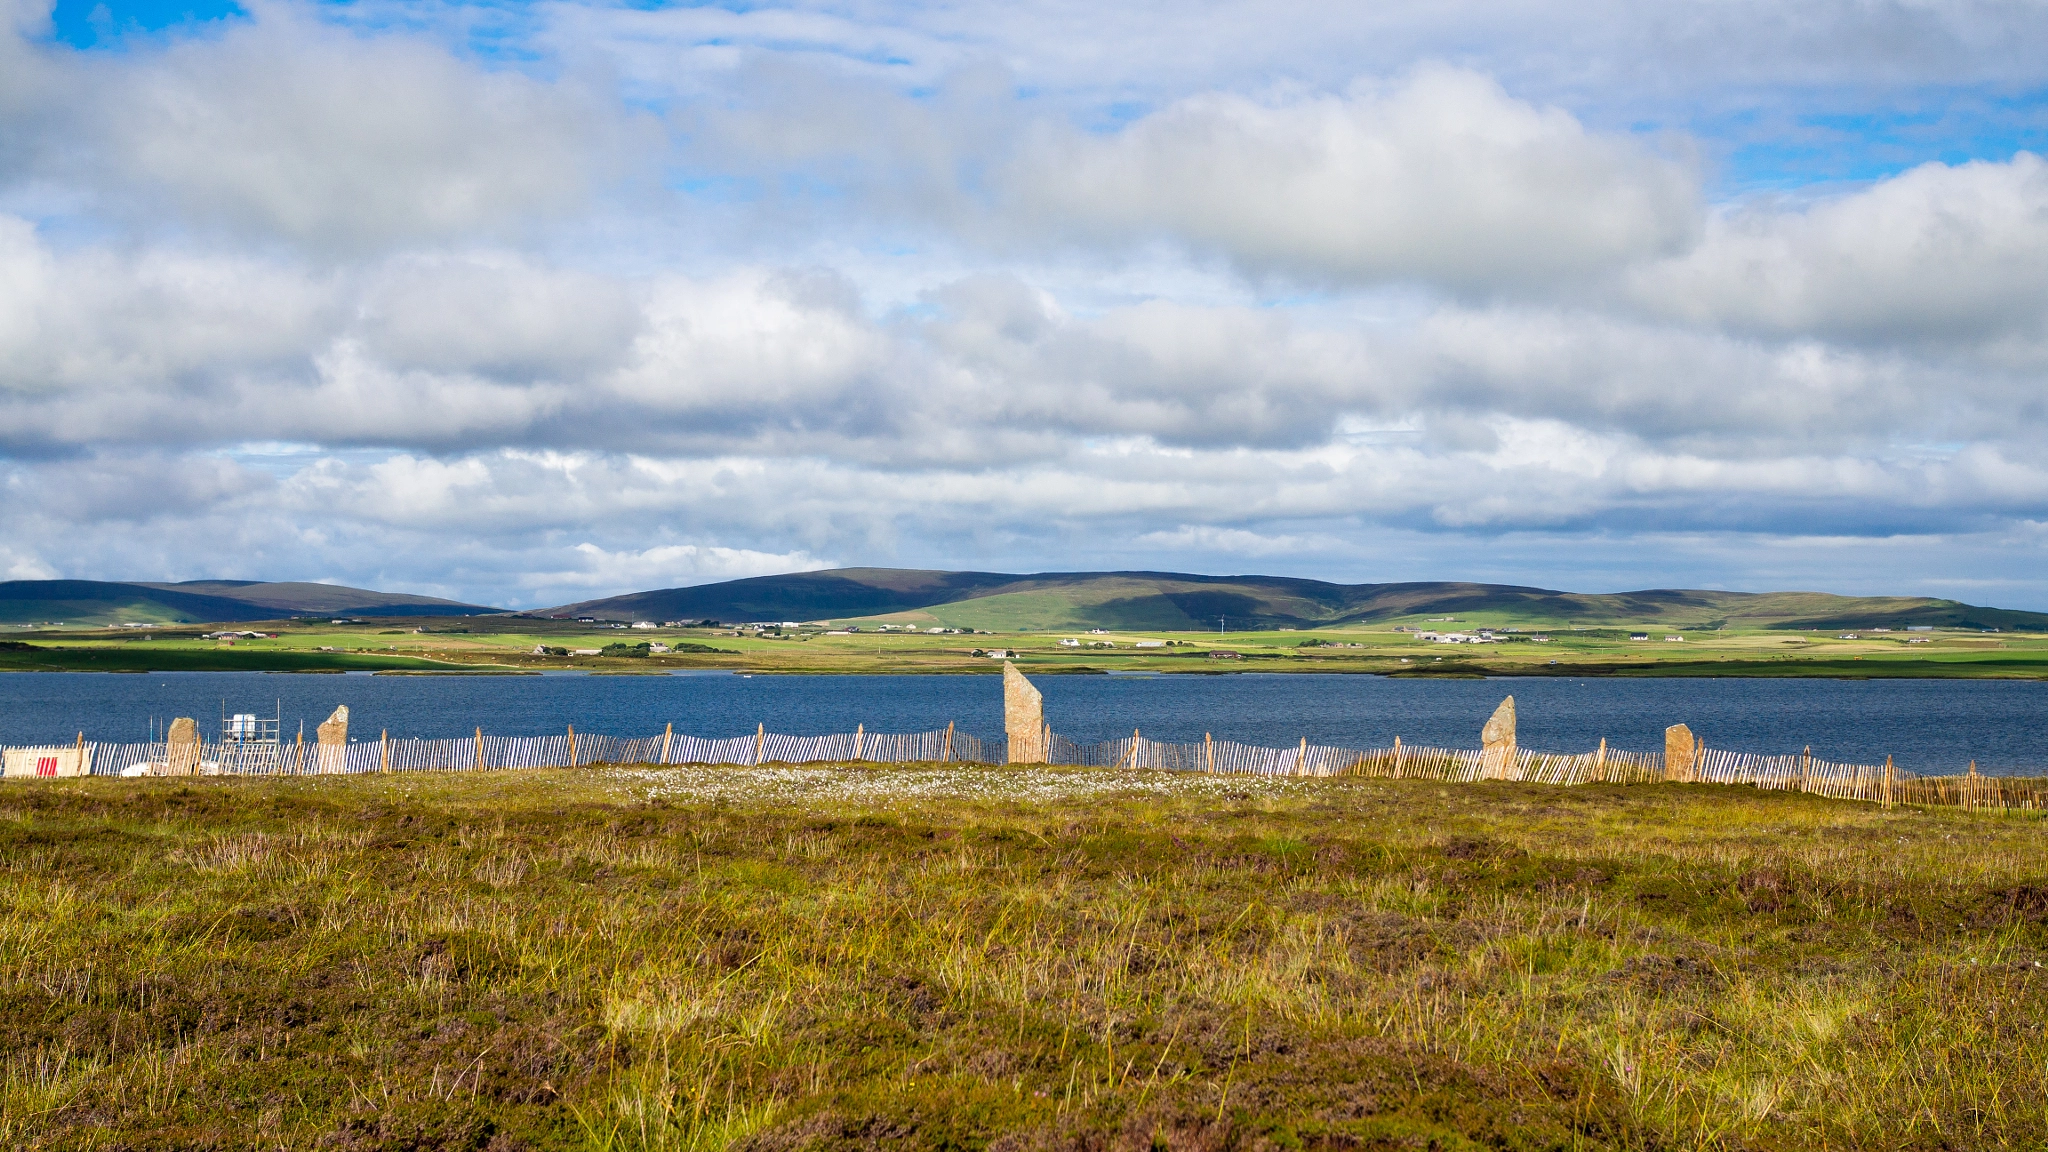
<point>90,602</point>
<point>1176,601</point>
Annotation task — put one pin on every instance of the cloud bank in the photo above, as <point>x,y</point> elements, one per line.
<point>600,299</point>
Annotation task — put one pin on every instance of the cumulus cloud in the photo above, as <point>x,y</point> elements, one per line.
<point>496,314</point>
<point>777,346</point>
<point>667,566</point>
<point>284,129</point>
<point>1940,252</point>
<point>1443,179</point>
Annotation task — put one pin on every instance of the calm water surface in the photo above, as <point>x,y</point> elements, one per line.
<point>1927,725</point>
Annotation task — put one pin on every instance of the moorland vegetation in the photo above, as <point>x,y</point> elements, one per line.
<point>787,958</point>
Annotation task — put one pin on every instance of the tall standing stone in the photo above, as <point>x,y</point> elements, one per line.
<point>181,747</point>
<point>1023,717</point>
<point>333,733</point>
<point>1497,757</point>
<point>1681,754</point>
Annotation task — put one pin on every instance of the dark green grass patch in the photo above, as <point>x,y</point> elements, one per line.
<point>145,658</point>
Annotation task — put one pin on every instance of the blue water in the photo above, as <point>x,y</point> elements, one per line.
<point>1928,725</point>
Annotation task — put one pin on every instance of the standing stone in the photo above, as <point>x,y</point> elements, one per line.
<point>1497,757</point>
<point>1023,717</point>
<point>334,741</point>
<point>181,747</point>
<point>1681,754</point>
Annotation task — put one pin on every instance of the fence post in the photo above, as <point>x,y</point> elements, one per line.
<point>1301,759</point>
<point>1887,782</point>
<point>1600,762</point>
<point>299,762</point>
<point>760,738</point>
<point>1209,747</point>
<point>478,748</point>
<point>860,739</point>
<point>1399,759</point>
<point>383,749</point>
<point>667,735</point>
<point>948,757</point>
<point>572,746</point>
<point>1970,789</point>
<point>1806,769</point>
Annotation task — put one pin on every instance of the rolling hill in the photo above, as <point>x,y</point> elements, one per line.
<point>91,602</point>
<point>1174,601</point>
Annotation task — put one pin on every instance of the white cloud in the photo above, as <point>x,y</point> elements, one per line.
<point>1231,541</point>
<point>756,347</point>
<point>1442,179</point>
<point>496,314</point>
<point>282,128</point>
<point>1941,252</point>
<point>667,566</point>
<point>20,566</point>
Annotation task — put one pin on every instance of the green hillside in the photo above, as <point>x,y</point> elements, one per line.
<point>1173,601</point>
<point>101,602</point>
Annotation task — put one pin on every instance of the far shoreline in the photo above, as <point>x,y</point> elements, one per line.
<point>1578,672</point>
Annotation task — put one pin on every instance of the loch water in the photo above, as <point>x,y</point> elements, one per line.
<point>1926,725</point>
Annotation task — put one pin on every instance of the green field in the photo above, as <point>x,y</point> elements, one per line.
<point>890,620</point>
<point>507,643</point>
<point>822,958</point>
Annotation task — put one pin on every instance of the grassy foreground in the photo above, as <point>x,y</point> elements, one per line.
<point>792,958</point>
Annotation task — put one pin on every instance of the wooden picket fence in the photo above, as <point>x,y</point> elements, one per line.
<point>1800,772</point>
<point>572,749</point>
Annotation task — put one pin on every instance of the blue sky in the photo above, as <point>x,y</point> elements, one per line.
<point>527,303</point>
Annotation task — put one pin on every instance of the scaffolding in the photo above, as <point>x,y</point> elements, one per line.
<point>249,728</point>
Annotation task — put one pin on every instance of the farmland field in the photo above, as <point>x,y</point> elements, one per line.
<point>822,957</point>
<point>509,643</point>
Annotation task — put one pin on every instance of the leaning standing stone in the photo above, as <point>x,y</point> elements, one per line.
<point>334,741</point>
<point>1681,754</point>
<point>1497,759</point>
<point>1023,717</point>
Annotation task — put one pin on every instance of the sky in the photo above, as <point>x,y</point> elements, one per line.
<point>529,303</point>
